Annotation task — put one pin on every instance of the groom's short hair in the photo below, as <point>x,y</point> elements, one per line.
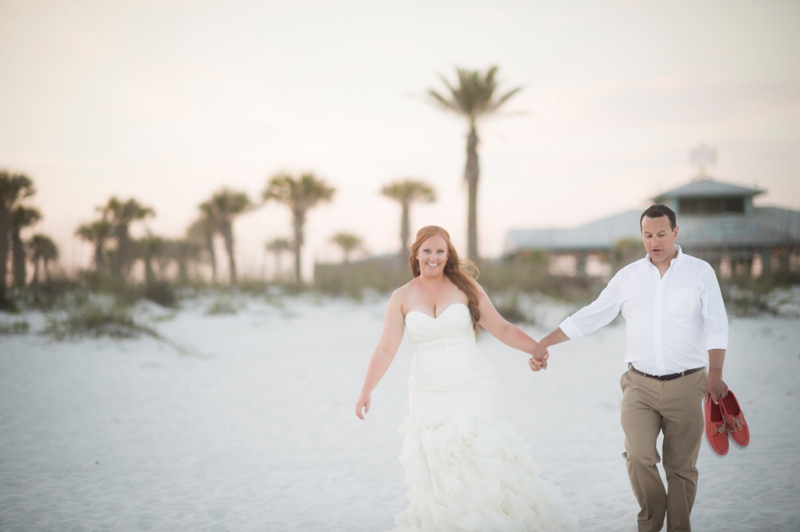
<point>657,211</point>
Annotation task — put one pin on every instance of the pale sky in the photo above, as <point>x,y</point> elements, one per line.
<point>169,100</point>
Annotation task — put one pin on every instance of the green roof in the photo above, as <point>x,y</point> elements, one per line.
<point>708,188</point>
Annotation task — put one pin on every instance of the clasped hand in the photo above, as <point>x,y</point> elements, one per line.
<point>539,358</point>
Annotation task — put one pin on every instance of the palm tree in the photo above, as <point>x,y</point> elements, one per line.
<point>42,249</point>
<point>406,192</point>
<point>474,99</point>
<point>96,233</point>
<point>226,205</point>
<point>122,215</point>
<point>348,242</point>
<point>21,217</point>
<point>201,232</point>
<point>13,188</point>
<point>300,194</point>
<point>277,246</point>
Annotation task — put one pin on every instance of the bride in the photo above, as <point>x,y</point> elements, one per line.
<point>466,471</point>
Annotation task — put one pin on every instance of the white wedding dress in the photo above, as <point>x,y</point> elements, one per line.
<point>465,470</point>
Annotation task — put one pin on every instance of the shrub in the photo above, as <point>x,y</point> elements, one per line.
<point>161,292</point>
<point>14,327</point>
<point>223,306</point>
<point>508,306</point>
<point>351,279</point>
<point>95,320</point>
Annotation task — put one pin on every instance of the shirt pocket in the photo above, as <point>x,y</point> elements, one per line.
<point>682,301</point>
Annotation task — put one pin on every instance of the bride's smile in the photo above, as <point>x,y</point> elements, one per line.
<point>432,257</point>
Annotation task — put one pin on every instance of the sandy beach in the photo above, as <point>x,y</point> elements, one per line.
<point>252,426</point>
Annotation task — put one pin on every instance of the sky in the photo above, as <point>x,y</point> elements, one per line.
<point>167,101</point>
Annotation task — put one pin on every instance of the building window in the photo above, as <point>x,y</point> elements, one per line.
<point>710,205</point>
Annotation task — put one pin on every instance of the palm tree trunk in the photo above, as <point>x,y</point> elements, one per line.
<point>212,257</point>
<point>149,273</point>
<point>227,236</point>
<point>46,271</point>
<point>121,255</point>
<point>405,228</point>
<point>35,280</point>
<point>99,255</point>
<point>471,175</point>
<point>277,275</point>
<point>299,222</point>
<point>5,228</point>
<point>183,269</point>
<point>18,259</point>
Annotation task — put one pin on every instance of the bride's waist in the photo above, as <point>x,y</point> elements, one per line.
<point>445,344</point>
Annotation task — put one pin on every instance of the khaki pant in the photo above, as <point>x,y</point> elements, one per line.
<point>674,407</point>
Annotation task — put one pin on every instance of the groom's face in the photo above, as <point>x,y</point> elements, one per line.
<point>659,238</point>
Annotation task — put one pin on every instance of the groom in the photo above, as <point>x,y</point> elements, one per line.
<point>676,324</point>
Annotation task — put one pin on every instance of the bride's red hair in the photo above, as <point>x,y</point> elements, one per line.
<point>461,273</point>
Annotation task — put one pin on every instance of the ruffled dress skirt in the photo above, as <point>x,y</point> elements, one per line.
<point>465,470</point>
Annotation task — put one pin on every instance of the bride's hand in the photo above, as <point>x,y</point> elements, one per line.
<point>539,358</point>
<point>363,405</point>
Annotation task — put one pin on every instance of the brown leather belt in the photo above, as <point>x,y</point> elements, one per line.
<point>666,377</point>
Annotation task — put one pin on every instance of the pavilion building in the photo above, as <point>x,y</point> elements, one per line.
<point>717,222</point>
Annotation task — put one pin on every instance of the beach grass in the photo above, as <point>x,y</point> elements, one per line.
<point>93,319</point>
<point>15,327</point>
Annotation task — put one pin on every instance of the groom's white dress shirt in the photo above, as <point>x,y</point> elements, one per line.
<point>672,321</point>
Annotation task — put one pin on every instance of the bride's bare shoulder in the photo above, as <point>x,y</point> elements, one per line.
<point>401,296</point>
<point>402,293</point>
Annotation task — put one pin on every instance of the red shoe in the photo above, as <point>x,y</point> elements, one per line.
<point>716,432</point>
<point>734,420</point>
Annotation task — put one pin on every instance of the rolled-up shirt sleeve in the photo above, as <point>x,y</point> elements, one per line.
<point>715,319</point>
<point>597,314</point>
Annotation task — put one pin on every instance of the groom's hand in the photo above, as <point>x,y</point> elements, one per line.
<point>539,358</point>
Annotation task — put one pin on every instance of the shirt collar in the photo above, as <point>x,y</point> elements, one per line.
<point>671,262</point>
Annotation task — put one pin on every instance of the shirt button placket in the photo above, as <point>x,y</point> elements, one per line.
<point>658,344</point>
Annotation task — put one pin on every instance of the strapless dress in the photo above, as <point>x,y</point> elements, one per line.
<point>466,471</point>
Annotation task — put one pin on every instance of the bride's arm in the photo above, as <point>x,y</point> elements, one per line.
<point>506,332</point>
<point>392,335</point>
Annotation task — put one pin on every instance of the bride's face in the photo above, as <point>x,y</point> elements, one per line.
<point>432,256</point>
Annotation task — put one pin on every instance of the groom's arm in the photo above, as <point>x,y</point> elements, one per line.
<point>587,320</point>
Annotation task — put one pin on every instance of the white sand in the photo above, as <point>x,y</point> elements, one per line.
<point>256,430</point>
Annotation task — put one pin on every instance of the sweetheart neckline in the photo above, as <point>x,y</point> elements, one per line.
<point>440,314</point>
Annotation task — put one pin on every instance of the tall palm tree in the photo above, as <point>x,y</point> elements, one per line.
<point>348,243</point>
<point>21,217</point>
<point>13,188</point>
<point>406,192</point>
<point>226,205</point>
<point>122,214</point>
<point>42,249</point>
<point>300,194</point>
<point>96,233</point>
<point>474,98</point>
<point>202,232</point>
<point>278,246</point>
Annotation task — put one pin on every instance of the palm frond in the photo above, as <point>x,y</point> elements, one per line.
<point>474,94</point>
<point>443,102</point>
<point>504,98</point>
